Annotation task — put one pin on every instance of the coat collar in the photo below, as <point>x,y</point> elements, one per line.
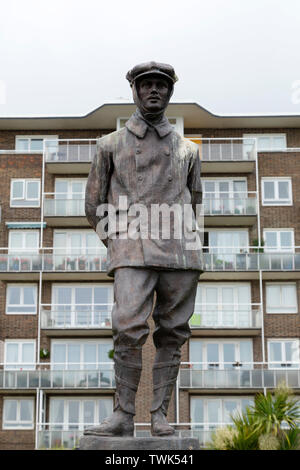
<point>138,126</point>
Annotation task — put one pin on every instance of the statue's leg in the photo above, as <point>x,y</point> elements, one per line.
<point>176,292</point>
<point>133,296</point>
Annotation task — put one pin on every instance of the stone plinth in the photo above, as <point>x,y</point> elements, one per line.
<point>138,443</point>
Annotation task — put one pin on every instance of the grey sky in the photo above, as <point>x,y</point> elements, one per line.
<point>69,56</point>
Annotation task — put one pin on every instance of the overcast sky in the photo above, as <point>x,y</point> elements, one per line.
<point>67,57</point>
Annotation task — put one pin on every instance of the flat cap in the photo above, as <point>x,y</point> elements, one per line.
<point>149,68</point>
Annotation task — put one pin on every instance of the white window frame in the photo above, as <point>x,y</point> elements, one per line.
<point>270,136</point>
<point>244,249</point>
<point>80,251</point>
<point>206,423</point>
<point>73,286</point>
<point>277,365</point>
<point>25,182</point>
<point>236,341</point>
<point>218,307</point>
<point>30,138</point>
<point>281,308</point>
<point>278,246</point>
<point>23,250</point>
<point>19,365</point>
<point>80,342</point>
<point>21,286</point>
<point>18,419</point>
<point>66,425</point>
<point>276,200</point>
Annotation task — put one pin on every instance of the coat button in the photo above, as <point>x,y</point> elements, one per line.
<point>140,178</point>
<point>138,151</point>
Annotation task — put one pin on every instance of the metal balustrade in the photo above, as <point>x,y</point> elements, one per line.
<point>57,376</point>
<point>211,315</point>
<point>239,375</point>
<point>217,259</point>
<point>230,204</point>
<point>67,435</point>
<point>64,316</point>
<point>69,150</point>
<point>62,205</point>
<point>226,149</point>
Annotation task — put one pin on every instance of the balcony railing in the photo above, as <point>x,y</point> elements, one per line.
<point>70,150</point>
<point>62,205</point>
<point>63,316</point>
<point>251,259</point>
<point>226,149</point>
<point>226,316</point>
<point>239,375</point>
<point>67,435</point>
<point>53,260</point>
<point>230,204</point>
<point>55,376</point>
<point>218,259</point>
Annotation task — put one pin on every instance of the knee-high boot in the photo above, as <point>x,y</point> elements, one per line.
<point>128,367</point>
<point>165,371</point>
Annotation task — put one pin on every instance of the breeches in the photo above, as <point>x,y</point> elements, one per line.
<point>134,297</point>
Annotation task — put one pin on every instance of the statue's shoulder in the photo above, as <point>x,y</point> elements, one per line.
<point>109,140</point>
<point>185,143</point>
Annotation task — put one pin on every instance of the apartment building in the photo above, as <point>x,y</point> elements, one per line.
<point>56,371</point>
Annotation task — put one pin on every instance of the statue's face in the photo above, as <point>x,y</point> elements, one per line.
<point>154,93</point>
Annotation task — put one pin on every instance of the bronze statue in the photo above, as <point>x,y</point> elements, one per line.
<point>147,163</point>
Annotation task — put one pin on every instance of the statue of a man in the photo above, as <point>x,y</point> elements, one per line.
<point>147,163</point>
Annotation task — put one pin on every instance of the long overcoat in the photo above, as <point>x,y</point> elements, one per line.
<point>150,165</point>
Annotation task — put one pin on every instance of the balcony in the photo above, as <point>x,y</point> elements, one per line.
<point>76,320</point>
<point>225,320</point>
<point>236,209</point>
<point>247,377</point>
<point>245,263</point>
<point>55,264</point>
<point>63,263</point>
<point>61,211</point>
<point>67,435</point>
<point>227,155</point>
<point>47,376</point>
<point>69,156</point>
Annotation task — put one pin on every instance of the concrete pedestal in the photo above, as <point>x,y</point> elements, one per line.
<point>138,443</point>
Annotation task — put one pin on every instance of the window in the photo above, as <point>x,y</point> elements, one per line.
<point>78,412</point>
<point>25,193</point>
<point>281,240</point>
<point>227,241</point>
<point>283,353</point>
<point>78,305</point>
<point>225,197</point>
<point>23,240</point>
<point>19,354</point>
<point>32,143</point>
<point>210,413</point>
<point>281,298</point>
<point>276,191</point>
<point>21,299</point>
<point>18,413</point>
<point>224,305</point>
<point>69,197</point>
<point>222,354</point>
<point>78,355</point>
<point>268,142</point>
